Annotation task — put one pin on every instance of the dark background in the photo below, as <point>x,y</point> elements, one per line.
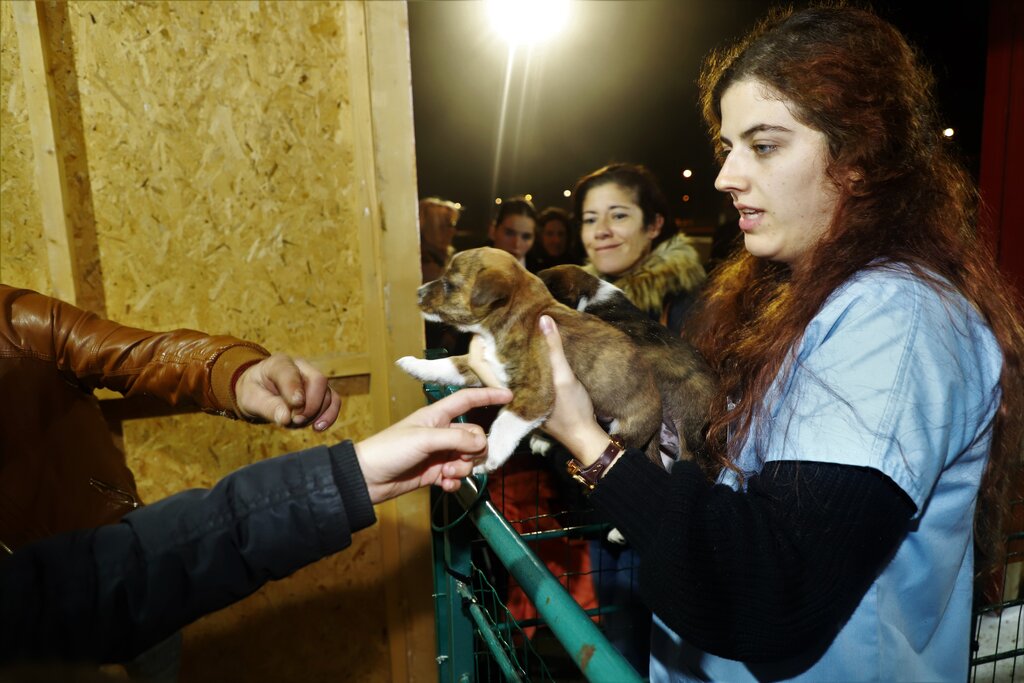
<point>619,84</point>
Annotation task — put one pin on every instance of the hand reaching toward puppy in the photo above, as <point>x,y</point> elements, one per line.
<point>427,447</point>
<point>287,391</point>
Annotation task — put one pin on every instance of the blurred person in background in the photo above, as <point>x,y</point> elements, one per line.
<point>556,244</point>
<point>514,228</point>
<point>438,220</point>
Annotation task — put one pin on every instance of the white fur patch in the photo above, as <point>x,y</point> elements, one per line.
<point>432,317</point>
<point>507,431</point>
<point>539,445</point>
<point>613,427</point>
<point>605,291</point>
<point>442,370</point>
<point>582,304</point>
<point>615,536</point>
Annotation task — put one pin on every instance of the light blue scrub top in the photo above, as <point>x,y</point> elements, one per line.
<point>893,376</point>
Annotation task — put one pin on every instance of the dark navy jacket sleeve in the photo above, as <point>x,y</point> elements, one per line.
<point>108,593</point>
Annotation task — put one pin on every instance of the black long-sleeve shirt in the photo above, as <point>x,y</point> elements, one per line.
<point>763,574</point>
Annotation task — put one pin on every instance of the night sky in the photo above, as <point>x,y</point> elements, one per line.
<point>619,84</point>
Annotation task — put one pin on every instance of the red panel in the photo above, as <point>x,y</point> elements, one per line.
<point>1002,142</point>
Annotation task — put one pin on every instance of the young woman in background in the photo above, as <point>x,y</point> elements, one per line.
<point>631,243</point>
<point>515,227</point>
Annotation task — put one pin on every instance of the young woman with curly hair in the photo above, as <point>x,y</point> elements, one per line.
<point>871,382</point>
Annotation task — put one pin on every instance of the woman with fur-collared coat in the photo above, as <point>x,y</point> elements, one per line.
<point>630,243</point>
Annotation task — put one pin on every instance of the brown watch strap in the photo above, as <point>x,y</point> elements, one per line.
<point>589,476</point>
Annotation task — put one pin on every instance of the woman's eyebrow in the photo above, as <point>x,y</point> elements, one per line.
<point>759,128</point>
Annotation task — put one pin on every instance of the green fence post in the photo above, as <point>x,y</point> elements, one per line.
<point>596,658</point>
<point>455,659</point>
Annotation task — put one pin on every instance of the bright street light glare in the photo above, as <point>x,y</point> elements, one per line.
<point>524,22</point>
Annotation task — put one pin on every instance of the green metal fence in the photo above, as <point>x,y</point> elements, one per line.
<point>478,638</point>
<point>469,610</point>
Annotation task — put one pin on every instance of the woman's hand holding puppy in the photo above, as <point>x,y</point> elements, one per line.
<point>572,421</point>
<point>427,447</point>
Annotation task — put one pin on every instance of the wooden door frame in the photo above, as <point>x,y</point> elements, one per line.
<point>381,107</point>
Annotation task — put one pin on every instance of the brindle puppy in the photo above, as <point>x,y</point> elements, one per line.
<point>487,292</point>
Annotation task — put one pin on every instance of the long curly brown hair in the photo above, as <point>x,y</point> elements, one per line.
<point>903,198</point>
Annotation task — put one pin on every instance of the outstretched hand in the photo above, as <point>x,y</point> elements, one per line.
<point>427,447</point>
<point>287,391</point>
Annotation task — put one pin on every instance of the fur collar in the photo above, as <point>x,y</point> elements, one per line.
<point>671,268</point>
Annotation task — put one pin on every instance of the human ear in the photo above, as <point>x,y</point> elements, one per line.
<point>654,229</point>
<point>853,182</point>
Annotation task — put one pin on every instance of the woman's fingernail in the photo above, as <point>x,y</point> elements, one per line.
<point>298,419</point>
<point>320,426</point>
<point>546,324</point>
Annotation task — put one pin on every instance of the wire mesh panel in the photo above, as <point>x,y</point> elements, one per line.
<point>516,593</point>
<point>997,652</point>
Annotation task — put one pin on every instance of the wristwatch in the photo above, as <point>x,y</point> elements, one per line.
<point>589,476</point>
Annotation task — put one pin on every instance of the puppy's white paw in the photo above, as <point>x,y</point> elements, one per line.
<point>507,431</point>
<point>615,536</point>
<point>493,462</point>
<point>539,445</point>
<point>442,370</point>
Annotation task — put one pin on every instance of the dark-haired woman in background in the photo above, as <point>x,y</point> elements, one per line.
<point>515,227</point>
<point>556,242</point>
<point>631,242</point>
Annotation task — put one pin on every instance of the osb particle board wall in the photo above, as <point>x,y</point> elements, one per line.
<point>221,166</point>
<point>21,230</point>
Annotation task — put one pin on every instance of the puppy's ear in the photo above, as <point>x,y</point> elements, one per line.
<point>491,290</point>
<point>561,285</point>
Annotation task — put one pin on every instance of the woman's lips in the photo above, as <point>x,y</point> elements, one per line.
<point>750,219</point>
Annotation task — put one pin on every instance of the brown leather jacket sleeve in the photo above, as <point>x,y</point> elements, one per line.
<point>181,367</point>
